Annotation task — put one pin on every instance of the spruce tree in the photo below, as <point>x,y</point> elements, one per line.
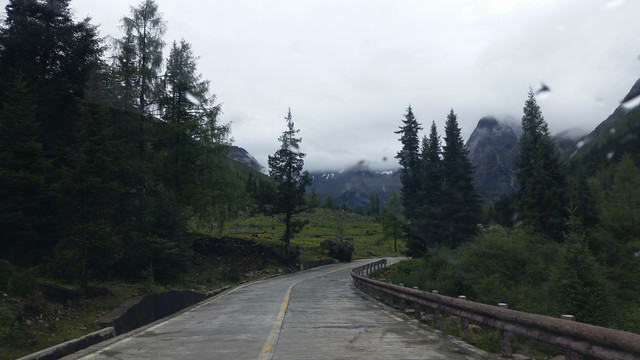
<point>285,167</point>
<point>411,172</point>
<point>23,187</point>
<point>462,209</point>
<point>432,229</point>
<point>54,57</point>
<point>541,184</point>
<point>582,288</point>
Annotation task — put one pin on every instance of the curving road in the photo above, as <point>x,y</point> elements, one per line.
<point>314,314</point>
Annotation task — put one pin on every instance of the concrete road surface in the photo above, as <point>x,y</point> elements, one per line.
<point>314,314</point>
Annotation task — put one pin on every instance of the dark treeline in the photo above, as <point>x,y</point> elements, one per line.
<point>109,152</point>
<point>440,204</point>
<point>567,242</point>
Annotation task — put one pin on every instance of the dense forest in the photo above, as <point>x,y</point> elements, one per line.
<point>109,153</point>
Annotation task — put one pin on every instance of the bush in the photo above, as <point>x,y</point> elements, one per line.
<point>6,273</point>
<point>338,249</point>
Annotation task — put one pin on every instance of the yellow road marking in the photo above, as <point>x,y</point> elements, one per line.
<point>272,339</point>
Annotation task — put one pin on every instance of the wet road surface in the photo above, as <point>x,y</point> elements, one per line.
<point>314,314</point>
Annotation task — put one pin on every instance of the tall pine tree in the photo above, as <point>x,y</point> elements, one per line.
<point>285,167</point>
<point>432,219</point>
<point>541,191</point>
<point>139,57</point>
<point>462,207</point>
<point>23,189</point>
<point>410,176</point>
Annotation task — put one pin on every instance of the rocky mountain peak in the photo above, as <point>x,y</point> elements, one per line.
<point>493,150</point>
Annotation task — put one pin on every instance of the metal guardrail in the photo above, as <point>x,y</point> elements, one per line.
<point>591,340</point>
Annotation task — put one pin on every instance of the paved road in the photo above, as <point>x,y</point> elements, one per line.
<point>315,314</point>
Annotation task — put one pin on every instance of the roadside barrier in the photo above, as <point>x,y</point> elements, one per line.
<point>575,337</point>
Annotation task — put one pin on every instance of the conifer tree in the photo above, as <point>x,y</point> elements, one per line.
<point>393,220</point>
<point>583,291</point>
<point>410,176</point>
<point>432,229</point>
<point>140,55</point>
<point>193,139</point>
<point>23,187</point>
<point>541,184</point>
<point>53,57</point>
<point>462,208</point>
<point>285,167</point>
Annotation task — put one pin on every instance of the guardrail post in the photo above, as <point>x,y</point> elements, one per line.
<point>436,313</point>
<point>416,308</point>
<point>464,323</point>
<point>389,297</point>
<point>505,338</point>
<point>401,304</point>
<point>569,354</point>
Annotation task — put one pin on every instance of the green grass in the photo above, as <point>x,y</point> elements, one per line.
<point>364,233</point>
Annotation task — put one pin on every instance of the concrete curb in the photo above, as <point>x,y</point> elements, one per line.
<point>71,346</point>
<point>117,316</point>
<point>141,310</point>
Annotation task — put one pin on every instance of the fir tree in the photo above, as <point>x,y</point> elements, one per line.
<point>285,167</point>
<point>582,288</point>
<point>541,183</point>
<point>462,208</point>
<point>432,229</point>
<point>23,187</point>
<point>54,58</point>
<point>410,176</point>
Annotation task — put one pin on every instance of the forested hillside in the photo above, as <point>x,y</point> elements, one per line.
<point>109,153</point>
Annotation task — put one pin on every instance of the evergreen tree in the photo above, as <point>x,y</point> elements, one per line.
<point>90,242</point>
<point>329,204</point>
<point>582,288</point>
<point>616,239</point>
<point>193,141</point>
<point>462,207</point>
<point>410,176</point>
<point>139,57</point>
<point>374,204</point>
<point>285,167</point>
<point>55,58</point>
<point>541,183</point>
<point>23,187</point>
<point>432,229</point>
<point>393,219</point>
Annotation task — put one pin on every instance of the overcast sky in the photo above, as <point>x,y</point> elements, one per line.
<point>348,69</point>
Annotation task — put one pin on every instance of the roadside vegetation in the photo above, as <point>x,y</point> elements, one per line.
<point>31,318</point>
<point>563,243</point>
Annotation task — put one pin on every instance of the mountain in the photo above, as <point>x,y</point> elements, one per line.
<point>493,150</point>
<point>567,141</point>
<point>355,186</point>
<point>616,135</point>
<point>242,156</point>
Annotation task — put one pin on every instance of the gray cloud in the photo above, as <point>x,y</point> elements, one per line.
<point>348,69</point>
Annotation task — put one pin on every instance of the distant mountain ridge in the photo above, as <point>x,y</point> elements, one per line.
<point>242,156</point>
<point>355,186</point>
<point>618,134</point>
<point>493,150</point>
